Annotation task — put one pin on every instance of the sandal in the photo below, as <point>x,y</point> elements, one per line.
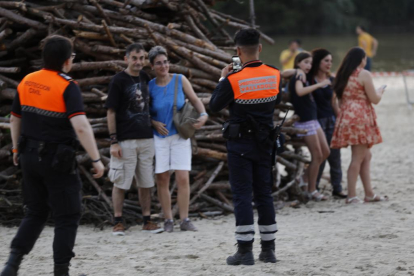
<point>353,200</point>
<point>315,195</point>
<point>375,198</point>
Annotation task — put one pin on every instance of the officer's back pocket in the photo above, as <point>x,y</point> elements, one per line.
<point>64,160</point>
<point>116,173</point>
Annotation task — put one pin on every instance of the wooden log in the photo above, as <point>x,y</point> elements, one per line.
<point>193,59</point>
<point>9,81</point>
<point>94,80</point>
<point>10,70</point>
<point>221,185</point>
<point>5,151</point>
<point>22,39</point>
<point>109,34</point>
<point>203,82</point>
<point>3,85</point>
<point>208,183</point>
<point>8,94</point>
<point>22,20</point>
<point>293,182</point>
<point>210,153</point>
<point>97,65</point>
<point>108,50</point>
<point>210,17</point>
<point>211,136</point>
<point>4,126</point>
<point>5,33</point>
<point>190,72</point>
<point>195,28</point>
<point>223,56</point>
<point>137,32</point>
<point>222,197</point>
<point>91,35</point>
<point>95,185</point>
<point>218,203</point>
<point>101,11</point>
<point>212,61</point>
<point>286,163</point>
<point>13,61</point>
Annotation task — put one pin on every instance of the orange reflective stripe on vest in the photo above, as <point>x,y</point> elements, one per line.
<point>255,84</point>
<point>42,92</point>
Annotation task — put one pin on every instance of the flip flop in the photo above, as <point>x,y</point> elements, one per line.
<point>353,200</point>
<point>375,198</point>
<point>319,197</point>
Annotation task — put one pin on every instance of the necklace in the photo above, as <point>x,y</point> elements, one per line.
<point>166,85</point>
<point>131,77</point>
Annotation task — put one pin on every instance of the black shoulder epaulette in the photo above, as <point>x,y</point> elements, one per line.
<point>66,77</point>
<point>271,66</point>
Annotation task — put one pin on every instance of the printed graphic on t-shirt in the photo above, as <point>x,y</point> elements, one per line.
<point>138,104</point>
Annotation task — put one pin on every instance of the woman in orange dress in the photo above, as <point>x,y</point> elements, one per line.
<point>356,125</point>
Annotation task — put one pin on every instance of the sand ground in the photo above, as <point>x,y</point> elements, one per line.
<point>328,238</point>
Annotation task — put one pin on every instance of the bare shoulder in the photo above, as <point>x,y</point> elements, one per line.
<point>365,74</point>
<point>364,77</point>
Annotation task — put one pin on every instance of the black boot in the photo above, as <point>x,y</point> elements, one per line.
<point>268,252</point>
<point>13,263</point>
<point>61,269</point>
<point>244,255</point>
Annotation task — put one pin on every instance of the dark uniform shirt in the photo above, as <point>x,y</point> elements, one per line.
<point>129,97</point>
<point>45,101</point>
<point>251,91</point>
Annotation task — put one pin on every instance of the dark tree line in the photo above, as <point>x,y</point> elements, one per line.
<point>325,16</point>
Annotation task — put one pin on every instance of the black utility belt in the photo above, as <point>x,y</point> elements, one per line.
<point>238,131</point>
<point>64,154</point>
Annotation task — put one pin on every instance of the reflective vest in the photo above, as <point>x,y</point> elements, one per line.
<point>255,85</point>
<point>42,92</point>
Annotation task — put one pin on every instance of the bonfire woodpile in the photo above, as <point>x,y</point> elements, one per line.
<point>199,42</point>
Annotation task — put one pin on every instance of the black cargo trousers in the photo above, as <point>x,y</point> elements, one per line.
<point>48,191</point>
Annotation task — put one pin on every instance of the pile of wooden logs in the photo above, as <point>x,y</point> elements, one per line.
<point>199,45</point>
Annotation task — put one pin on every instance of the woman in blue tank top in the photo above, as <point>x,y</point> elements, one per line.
<point>172,153</point>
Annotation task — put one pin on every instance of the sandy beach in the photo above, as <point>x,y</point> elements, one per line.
<point>328,238</point>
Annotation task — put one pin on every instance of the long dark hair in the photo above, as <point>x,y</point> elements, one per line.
<point>299,57</point>
<point>318,55</point>
<point>349,64</point>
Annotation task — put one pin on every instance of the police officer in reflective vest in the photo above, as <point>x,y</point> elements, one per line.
<point>47,116</point>
<point>251,94</point>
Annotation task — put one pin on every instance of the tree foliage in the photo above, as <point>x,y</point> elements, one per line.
<point>324,16</point>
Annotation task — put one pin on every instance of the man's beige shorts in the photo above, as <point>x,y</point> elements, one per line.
<point>137,160</point>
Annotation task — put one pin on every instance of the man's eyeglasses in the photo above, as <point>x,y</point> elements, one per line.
<point>161,63</point>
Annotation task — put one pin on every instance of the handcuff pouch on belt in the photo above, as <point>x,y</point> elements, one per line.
<point>231,131</point>
<point>64,159</point>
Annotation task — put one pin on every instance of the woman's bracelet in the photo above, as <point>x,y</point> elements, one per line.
<point>203,114</point>
<point>14,150</point>
<point>96,161</point>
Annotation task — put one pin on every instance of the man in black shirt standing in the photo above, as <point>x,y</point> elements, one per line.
<point>132,145</point>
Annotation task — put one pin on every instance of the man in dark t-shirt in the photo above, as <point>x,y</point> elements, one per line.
<point>132,146</point>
